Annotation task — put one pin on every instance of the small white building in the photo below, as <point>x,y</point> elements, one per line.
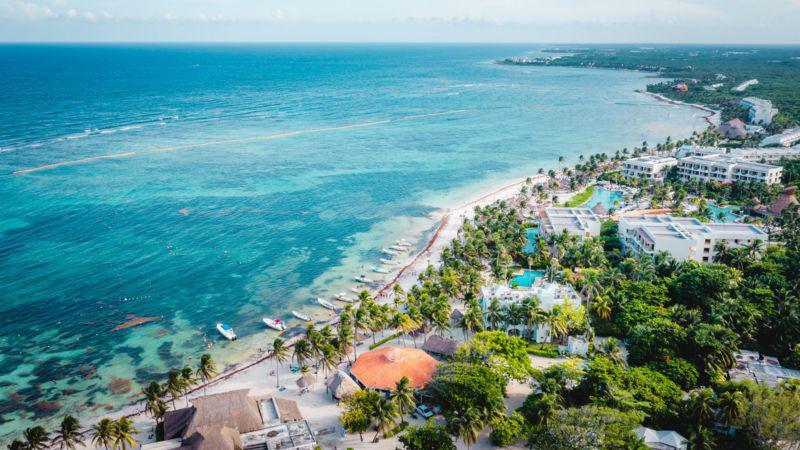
<point>727,169</point>
<point>685,238</point>
<point>662,439</point>
<point>760,111</point>
<point>762,155</point>
<point>786,139</point>
<point>549,295</point>
<point>582,222</point>
<point>652,168</point>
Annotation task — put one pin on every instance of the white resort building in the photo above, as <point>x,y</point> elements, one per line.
<point>653,168</point>
<point>726,169</point>
<point>582,222</point>
<point>762,155</point>
<point>760,111</point>
<point>786,139</point>
<point>549,295</point>
<point>685,238</point>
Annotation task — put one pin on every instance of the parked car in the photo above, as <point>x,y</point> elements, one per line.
<point>424,411</point>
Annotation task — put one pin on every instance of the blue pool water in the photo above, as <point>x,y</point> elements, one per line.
<point>527,278</point>
<point>530,243</point>
<point>608,198</point>
<point>263,176</point>
<point>726,214</point>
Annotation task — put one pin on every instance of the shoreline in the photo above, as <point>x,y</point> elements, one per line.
<point>713,118</point>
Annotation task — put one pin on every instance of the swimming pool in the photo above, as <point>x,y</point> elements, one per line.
<point>526,278</point>
<point>531,234</point>
<point>609,199</point>
<point>725,214</point>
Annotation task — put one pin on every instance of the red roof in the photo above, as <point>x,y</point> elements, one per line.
<point>383,368</point>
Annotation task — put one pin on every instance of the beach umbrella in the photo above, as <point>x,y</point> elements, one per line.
<point>341,385</point>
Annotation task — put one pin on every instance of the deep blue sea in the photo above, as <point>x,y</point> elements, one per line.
<point>243,190</point>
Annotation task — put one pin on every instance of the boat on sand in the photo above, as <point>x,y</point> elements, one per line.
<point>326,304</point>
<point>301,316</point>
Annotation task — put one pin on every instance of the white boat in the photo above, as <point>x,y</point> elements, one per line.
<point>398,248</point>
<point>301,316</point>
<point>344,298</point>
<point>390,262</point>
<point>363,279</point>
<point>226,331</point>
<point>275,324</point>
<point>389,252</point>
<point>380,270</point>
<point>404,243</point>
<point>356,290</point>
<point>326,304</point>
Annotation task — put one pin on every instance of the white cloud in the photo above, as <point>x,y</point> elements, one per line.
<point>34,11</point>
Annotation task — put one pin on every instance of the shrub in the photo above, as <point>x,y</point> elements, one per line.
<point>507,430</point>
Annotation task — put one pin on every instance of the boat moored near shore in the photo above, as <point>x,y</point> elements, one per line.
<point>363,279</point>
<point>275,324</point>
<point>380,270</point>
<point>226,331</point>
<point>342,297</point>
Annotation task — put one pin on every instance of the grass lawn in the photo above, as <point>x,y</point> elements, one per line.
<point>580,198</point>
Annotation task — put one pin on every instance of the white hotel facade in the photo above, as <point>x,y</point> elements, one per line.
<point>726,169</point>
<point>549,295</point>
<point>652,168</point>
<point>685,238</point>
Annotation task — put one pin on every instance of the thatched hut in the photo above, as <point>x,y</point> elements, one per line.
<point>439,345</point>
<point>341,385</point>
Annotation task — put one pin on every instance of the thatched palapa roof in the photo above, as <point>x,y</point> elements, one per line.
<point>341,385</point>
<point>214,422</point>
<point>440,345</point>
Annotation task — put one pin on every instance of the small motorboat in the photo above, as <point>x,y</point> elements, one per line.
<point>301,316</point>
<point>398,248</point>
<point>389,252</point>
<point>390,262</point>
<point>326,304</point>
<point>380,270</point>
<point>344,298</point>
<point>403,243</point>
<point>356,290</point>
<point>275,324</point>
<point>226,331</point>
<point>363,279</point>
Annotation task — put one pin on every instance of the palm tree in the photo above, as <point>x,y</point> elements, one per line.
<point>468,426</point>
<point>702,439</point>
<point>174,385</point>
<point>280,353</point>
<point>188,380</point>
<point>103,433</point>
<point>360,323</point>
<point>36,438</point>
<point>612,350</point>
<point>206,370</point>
<point>731,407</point>
<point>385,416</point>
<point>403,397</point>
<point>154,400</point>
<point>494,313</point>
<point>329,358</point>
<point>123,433</point>
<point>533,313</point>
<point>471,321</point>
<point>602,307</point>
<point>701,406</point>
<point>68,434</point>
<point>558,324</point>
<point>302,351</point>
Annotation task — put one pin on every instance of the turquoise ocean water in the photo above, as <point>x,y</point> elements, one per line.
<point>242,220</point>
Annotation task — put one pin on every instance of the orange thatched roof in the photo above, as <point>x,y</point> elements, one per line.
<point>382,368</point>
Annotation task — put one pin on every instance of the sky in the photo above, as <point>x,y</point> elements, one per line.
<point>551,21</point>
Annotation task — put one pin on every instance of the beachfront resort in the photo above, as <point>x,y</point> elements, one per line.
<point>645,299</point>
